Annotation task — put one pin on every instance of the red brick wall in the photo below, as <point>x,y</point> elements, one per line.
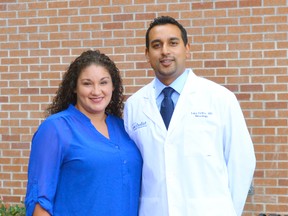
<point>240,44</point>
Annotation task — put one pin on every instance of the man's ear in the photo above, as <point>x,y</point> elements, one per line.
<point>188,53</point>
<point>147,55</point>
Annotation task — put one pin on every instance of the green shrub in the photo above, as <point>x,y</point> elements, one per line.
<point>13,210</point>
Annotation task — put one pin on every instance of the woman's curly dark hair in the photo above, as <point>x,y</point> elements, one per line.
<point>66,93</point>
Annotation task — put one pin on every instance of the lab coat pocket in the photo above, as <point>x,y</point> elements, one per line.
<point>199,142</point>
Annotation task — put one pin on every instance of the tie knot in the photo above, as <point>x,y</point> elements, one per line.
<point>167,91</point>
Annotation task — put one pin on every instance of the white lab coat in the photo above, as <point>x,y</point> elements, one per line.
<point>204,164</point>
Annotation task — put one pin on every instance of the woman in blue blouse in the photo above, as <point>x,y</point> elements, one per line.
<point>82,161</point>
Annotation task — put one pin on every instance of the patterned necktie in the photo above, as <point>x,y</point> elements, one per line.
<point>167,106</point>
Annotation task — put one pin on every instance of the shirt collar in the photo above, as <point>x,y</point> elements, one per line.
<point>177,84</point>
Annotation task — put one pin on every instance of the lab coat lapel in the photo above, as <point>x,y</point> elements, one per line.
<point>151,110</point>
<point>184,102</point>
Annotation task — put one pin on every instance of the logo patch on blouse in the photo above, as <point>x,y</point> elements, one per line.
<point>136,126</point>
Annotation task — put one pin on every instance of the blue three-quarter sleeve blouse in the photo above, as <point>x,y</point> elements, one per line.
<point>75,170</point>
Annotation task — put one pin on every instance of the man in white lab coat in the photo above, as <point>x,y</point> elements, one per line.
<point>202,163</point>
